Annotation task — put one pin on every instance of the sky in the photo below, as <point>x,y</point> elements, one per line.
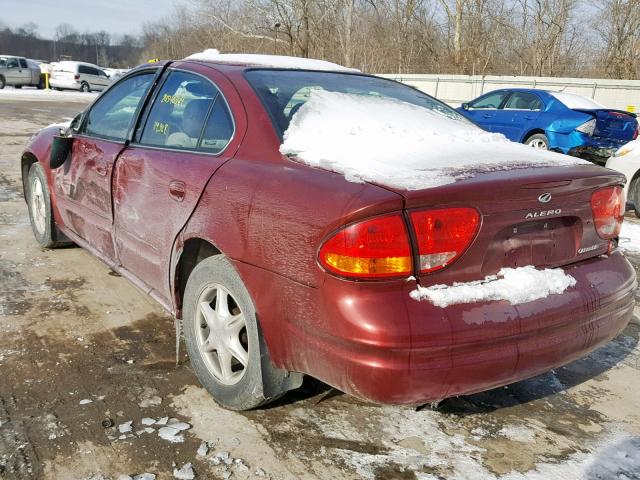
<point>114,16</point>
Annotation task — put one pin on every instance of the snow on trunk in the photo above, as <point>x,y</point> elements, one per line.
<point>400,145</point>
<point>516,285</point>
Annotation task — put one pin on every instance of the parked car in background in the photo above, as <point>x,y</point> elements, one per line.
<point>86,77</point>
<point>565,122</point>
<point>627,161</point>
<point>19,72</point>
<point>176,178</point>
<point>114,73</point>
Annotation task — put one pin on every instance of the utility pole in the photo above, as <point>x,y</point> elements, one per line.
<point>275,38</point>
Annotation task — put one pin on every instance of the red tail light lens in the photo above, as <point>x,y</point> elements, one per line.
<point>608,205</point>
<point>374,248</point>
<point>443,235</point>
<point>77,76</point>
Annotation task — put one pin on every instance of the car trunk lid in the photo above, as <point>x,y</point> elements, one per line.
<point>614,124</point>
<point>533,216</point>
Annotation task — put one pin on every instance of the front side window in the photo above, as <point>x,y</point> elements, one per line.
<point>179,112</point>
<point>523,101</point>
<point>23,63</point>
<point>490,101</point>
<point>111,117</point>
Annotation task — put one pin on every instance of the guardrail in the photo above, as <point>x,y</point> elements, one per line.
<point>456,89</point>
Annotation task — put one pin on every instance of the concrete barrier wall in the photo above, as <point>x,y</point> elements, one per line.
<point>455,89</point>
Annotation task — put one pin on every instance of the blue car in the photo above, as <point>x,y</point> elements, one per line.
<point>564,122</point>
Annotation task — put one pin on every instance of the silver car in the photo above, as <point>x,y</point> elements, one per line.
<point>18,71</point>
<point>86,77</point>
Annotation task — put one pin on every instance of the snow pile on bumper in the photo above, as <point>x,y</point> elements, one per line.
<point>400,145</point>
<point>516,285</point>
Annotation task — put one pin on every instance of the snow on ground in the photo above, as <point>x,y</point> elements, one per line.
<point>393,143</point>
<point>34,95</point>
<point>630,237</point>
<point>615,456</point>
<point>516,285</point>
<point>275,61</point>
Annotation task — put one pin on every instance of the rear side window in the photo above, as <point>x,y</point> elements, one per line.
<point>219,128</point>
<point>112,115</point>
<point>183,111</point>
<point>524,101</point>
<point>84,70</point>
<point>492,100</point>
<point>12,63</point>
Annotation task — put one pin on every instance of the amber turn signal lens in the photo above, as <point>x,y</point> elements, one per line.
<point>374,248</point>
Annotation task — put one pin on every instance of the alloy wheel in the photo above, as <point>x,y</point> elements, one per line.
<point>221,332</point>
<point>537,143</point>
<point>38,206</point>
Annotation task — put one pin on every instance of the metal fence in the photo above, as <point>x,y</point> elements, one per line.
<point>455,89</point>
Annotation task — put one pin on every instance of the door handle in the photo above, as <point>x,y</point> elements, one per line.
<point>487,115</point>
<point>177,190</point>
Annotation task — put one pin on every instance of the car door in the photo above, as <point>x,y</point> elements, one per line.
<point>158,180</point>
<point>483,110</point>
<point>519,115</point>
<point>83,184</point>
<point>102,79</point>
<point>13,71</point>
<point>24,73</point>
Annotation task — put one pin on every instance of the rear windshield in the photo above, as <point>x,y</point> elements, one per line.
<point>283,92</point>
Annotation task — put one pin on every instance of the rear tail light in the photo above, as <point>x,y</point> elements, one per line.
<point>77,76</point>
<point>588,127</point>
<point>607,205</point>
<point>373,248</point>
<point>443,235</point>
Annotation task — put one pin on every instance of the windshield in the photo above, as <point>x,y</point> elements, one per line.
<point>283,92</point>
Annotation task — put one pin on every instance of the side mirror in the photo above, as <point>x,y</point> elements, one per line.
<point>465,106</point>
<point>60,149</point>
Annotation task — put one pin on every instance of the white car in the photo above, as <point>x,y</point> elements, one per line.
<point>86,77</point>
<point>626,160</point>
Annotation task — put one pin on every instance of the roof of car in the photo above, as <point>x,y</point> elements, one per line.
<point>271,61</point>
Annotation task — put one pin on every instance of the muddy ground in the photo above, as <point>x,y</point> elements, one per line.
<point>82,352</point>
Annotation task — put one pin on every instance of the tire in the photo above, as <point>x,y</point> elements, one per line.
<point>249,379</point>
<point>17,86</point>
<point>41,84</point>
<point>538,140</point>
<point>634,195</point>
<point>43,225</point>
<point>84,87</point>
<point>3,82</point>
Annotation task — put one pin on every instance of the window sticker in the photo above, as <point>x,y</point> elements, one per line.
<point>161,128</point>
<point>175,100</point>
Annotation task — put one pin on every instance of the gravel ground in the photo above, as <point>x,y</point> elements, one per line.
<point>89,387</point>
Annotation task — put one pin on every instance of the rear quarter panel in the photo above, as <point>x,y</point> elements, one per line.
<point>270,214</point>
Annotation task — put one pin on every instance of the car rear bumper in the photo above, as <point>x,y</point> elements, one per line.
<point>375,342</point>
<point>65,84</point>
<point>578,144</point>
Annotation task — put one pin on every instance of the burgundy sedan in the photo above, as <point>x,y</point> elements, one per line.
<point>174,178</point>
